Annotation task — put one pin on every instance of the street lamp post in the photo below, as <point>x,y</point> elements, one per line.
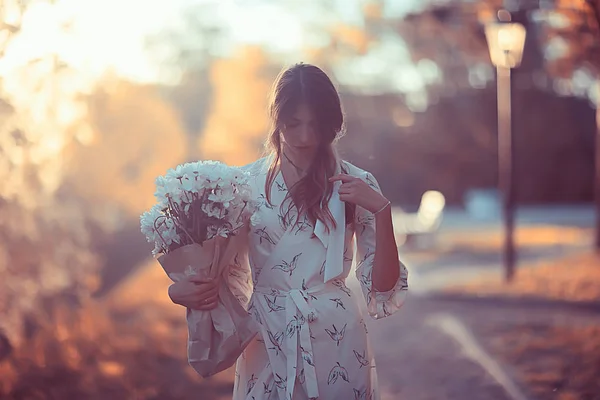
<point>506,41</point>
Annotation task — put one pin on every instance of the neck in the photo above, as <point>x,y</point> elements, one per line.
<point>300,160</point>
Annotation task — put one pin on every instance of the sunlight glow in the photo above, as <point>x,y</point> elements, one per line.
<point>90,35</point>
<point>97,37</point>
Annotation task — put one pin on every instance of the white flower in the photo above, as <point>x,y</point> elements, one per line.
<point>211,210</point>
<point>188,184</point>
<point>227,196</point>
<point>223,194</point>
<point>148,220</point>
<point>255,219</point>
<point>222,231</point>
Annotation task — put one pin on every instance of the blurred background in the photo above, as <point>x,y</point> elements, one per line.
<point>97,98</point>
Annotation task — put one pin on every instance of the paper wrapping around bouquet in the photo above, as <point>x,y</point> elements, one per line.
<point>216,338</point>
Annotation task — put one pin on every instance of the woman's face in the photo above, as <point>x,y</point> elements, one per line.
<point>300,132</point>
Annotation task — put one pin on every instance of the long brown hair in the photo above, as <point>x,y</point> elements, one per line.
<point>308,84</point>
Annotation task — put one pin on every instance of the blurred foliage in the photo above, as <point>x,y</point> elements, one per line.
<point>45,244</point>
<point>237,123</point>
<point>77,167</point>
<point>125,153</point>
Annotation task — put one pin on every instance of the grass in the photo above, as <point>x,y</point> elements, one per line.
<point>554,361</point>
<point>571,278</point>
<point>555,358</point>
<point>111,348</point>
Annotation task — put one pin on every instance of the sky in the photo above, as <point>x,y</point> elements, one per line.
<point>104,34</point>
<point>111,34</point>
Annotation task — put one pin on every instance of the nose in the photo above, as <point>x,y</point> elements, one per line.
<point>306,134</point>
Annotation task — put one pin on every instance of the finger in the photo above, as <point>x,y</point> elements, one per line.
<point>346,197</point>
<point>206,306</point>
<point>208,294</point>
<point>214,285</point>
<point>212,292</point>
<point>342,178</point>
<point>212,298</point>
<point>185,290</point>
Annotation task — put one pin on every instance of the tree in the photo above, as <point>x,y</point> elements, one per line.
<point>125,152</point>
<point>237,122</point>
<point>45,248</point>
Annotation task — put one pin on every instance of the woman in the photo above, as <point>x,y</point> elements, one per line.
<point>313,339</point>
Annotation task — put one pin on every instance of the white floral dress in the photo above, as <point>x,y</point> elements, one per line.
<point>313,339</point>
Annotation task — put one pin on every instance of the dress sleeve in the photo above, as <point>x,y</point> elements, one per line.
<point>239,275</point>
<point>379,304</point>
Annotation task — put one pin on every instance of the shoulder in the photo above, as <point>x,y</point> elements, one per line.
<point>257,167</point>
<point>353,170</point>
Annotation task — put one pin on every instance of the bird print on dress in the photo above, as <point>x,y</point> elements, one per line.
<point>364,221</point>
<point>340,284</point>
<point>264,235</point>
<point>303,225</point>
<point>251,383</point>
<point>336,335</point>
<point>338,303</point>
<point>367,282</point>
<point>266,388</point>
<point>386,312</point>
<point>369,253</point>
<point>347,255</point>
<point>337,372</point>
<point>304,290</point>
<point>276,340</point>
<point>369,294</point>
<point>307,356</point>
<point>362,358</point>
<point>280,382</point>
<point>364,324</point>
<point>302,377</point>
<point>272,304</point>
<point>294,325</point>
<point>371,182</point>
<point>361,394</point>
<point>252,310</point>
<point>263,202</point>
<point>284,220</point>
<point>365,277</point>
<point>288,267</point>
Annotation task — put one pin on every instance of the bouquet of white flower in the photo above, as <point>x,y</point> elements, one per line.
<point>197,227</point>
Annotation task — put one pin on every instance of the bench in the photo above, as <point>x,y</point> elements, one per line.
<point>417,229</point>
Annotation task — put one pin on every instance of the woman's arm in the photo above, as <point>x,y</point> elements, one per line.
<point>386,268</point>
<point>383,278</point>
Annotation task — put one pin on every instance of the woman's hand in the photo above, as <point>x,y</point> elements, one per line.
<point>195,293</point>
<point>357,191</point>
